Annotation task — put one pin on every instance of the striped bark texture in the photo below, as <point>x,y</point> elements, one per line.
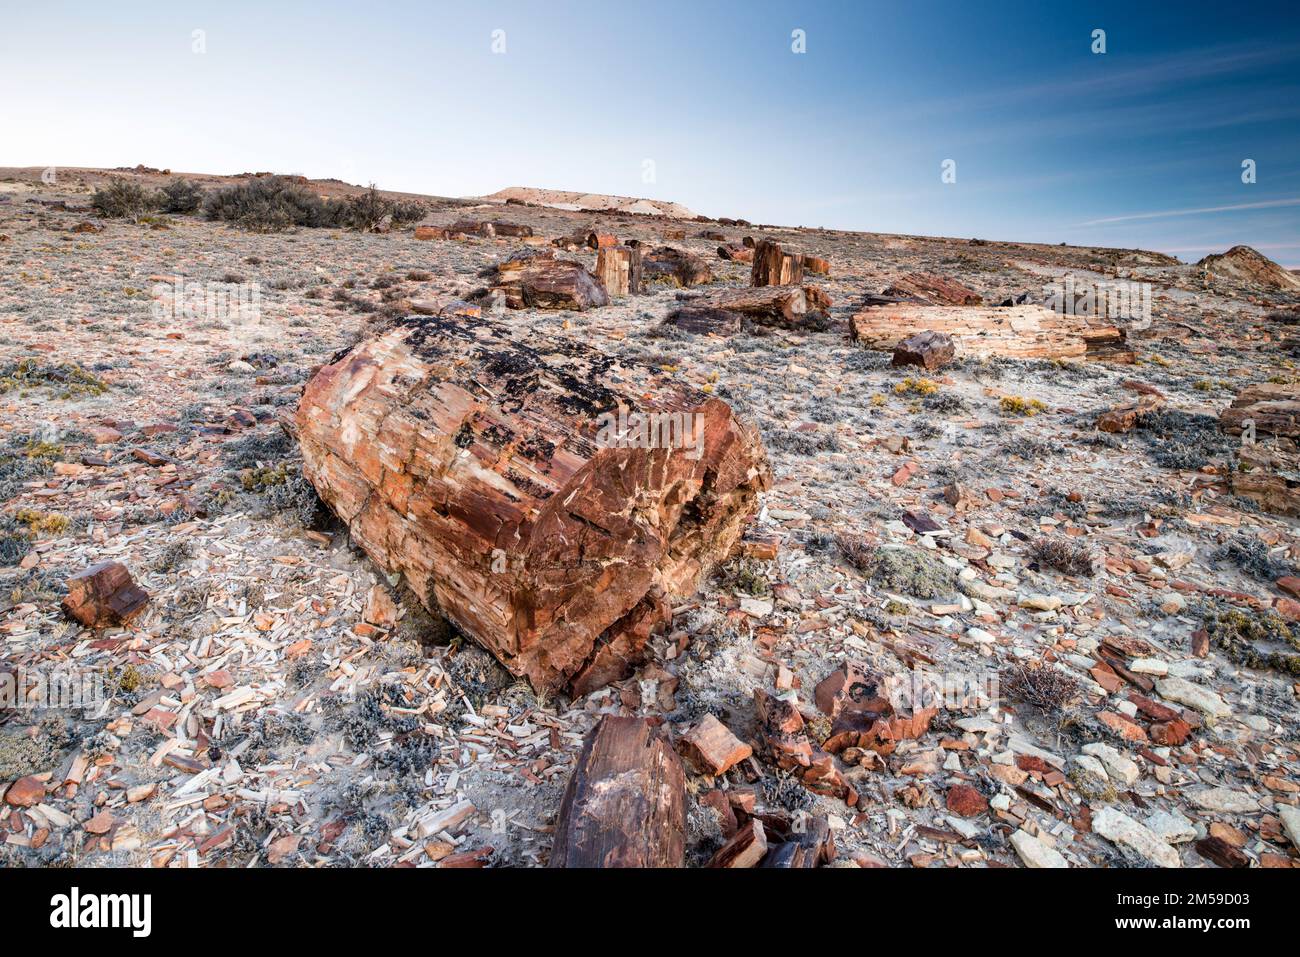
<point>530,492</point>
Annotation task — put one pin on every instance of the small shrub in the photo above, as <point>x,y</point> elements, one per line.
<point>904,570</point>
<point>1046,688</point>
<point>1019,406</point>
<point>910,386</point>
<point>122,199</point>
<point>1072,558</point>
<point>1254,558</point>
<point>179,196</point>
<point>1245,637</point>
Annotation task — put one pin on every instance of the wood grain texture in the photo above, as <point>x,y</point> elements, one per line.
<point>625,804</point>
<point>476,466</point>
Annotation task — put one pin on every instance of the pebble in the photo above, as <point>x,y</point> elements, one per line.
<point>1181,691</point>
<point>1118,767</point>
<point>1034,853</point>
<point>1172,827</point>
<point>1118,828</point>
<point>1225,801</point>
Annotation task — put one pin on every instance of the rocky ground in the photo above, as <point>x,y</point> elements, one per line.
<point>1113,628</point>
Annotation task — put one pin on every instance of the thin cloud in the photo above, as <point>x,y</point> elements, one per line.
<point>1269,204</point>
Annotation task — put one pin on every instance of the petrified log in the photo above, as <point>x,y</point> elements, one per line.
<point>546,505</point>
<point>510,229</point>
<point>736,253</point>
<point>431,232</point>
<point>619,270</point>
<point>1267,478</point>
<point>703,320</point>
<point>625,805</point>
<point>929,350</point>
<point>772,267</point>
<point>932,289</point>
<point>794,307</point>
<point>538,280</point>
<point>597,240</point>
<point>1274,408</point>
<point>472,227</point>
<point>675,266</point>
<point>1019,332</point>
<point>817,265</point>
<point>104,595</point>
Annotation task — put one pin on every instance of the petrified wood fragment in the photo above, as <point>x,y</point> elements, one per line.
<point>929,350</point>
<point>675,266</point>
<point>545,505</point>
<point>104,595</point>
<point>536,279</point>
<point>625,805</point>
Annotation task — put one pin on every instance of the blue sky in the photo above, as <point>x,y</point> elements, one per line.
<point>1141,146</point>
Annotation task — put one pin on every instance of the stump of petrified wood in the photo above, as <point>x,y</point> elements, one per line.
<point>546,505</point>
<point>619,269</point>
<point>625,805</point>
<point>773,267</point>
<point>929,350</point>
<point>538,280</point>
<point>817,265</point>
<point>104,596</point>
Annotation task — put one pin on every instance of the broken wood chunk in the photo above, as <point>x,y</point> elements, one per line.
<point>625,804</point>
<point>734,252</point>
<point>712,748</point>
<point>675,267</point>
<point>1017,332</point>
<point>745,848</point>
<point>704,320</point>
<point>104,596</point>
<point>527,491</point>
<point>536,279</point>
<point>929,350</point>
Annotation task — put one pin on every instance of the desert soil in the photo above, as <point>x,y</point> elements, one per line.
<point>253,715</point>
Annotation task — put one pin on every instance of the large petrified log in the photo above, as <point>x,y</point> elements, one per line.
<point>1019,332</point>
<point>675,266</point>
<point>932,289</point>
<point>547,506</point>
<point>538,280</point>
<point>792,307</point>
<point>625,805</point>
<point>773,267</point>
<point>619,269</point>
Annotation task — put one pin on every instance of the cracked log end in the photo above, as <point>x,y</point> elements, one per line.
<point>497,477</point>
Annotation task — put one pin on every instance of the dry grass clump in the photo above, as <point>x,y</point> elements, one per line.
<point>1048,689</point>
<point>1071,558</point>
